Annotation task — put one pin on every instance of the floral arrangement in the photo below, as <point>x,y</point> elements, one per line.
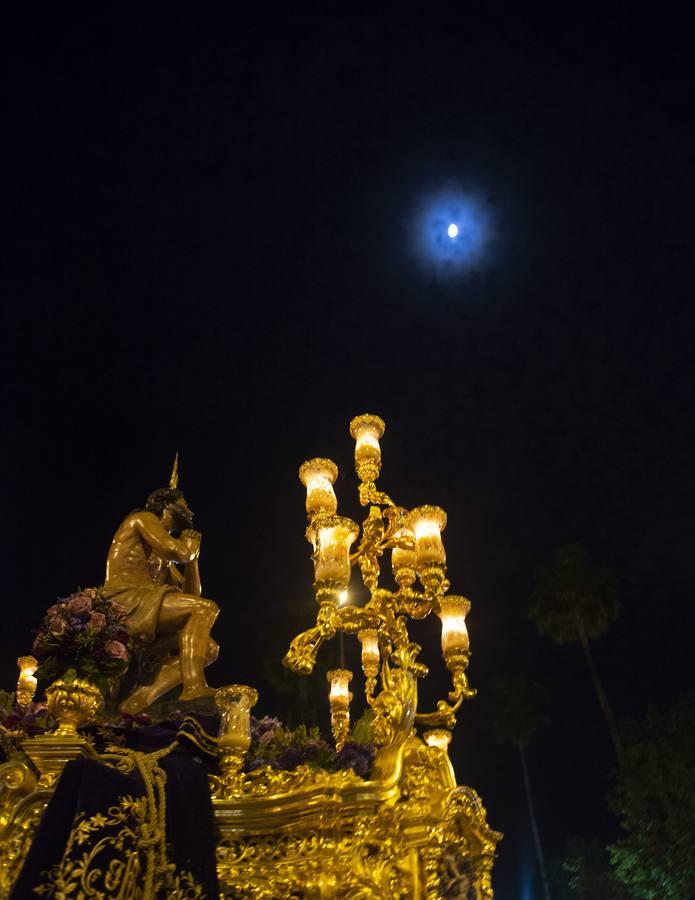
<point>83,636</point>
<point>19,723</point>
<point>274,745</point>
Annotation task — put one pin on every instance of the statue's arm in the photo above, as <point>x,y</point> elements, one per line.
<point>175,577</point>
<point>189,582</point>
<point>158,538</point>
<point>191,579</point>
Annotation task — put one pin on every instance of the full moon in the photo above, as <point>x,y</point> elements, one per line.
<point>452,230</point>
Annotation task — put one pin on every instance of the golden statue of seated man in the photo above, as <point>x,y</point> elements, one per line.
<point>164,606</point>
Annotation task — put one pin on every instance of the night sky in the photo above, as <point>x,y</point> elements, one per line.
<point>214,245</point>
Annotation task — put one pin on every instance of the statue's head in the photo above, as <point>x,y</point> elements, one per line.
<point>171,503</point>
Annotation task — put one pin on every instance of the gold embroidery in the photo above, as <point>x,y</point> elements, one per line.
<point>191,730</point>
<point>135,833</point>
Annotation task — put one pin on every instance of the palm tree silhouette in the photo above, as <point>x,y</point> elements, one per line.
<point>575,601</point>
<point>513,710</point>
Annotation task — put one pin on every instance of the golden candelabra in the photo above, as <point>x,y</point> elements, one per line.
<point>414,539</point>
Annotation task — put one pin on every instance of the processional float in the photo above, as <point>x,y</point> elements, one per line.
<point>376,817</point>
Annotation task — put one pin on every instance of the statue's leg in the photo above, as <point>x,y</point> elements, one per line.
<point>168,677</point>
<point>193,639</point>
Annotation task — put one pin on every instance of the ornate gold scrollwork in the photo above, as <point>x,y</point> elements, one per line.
<point>408,831</point>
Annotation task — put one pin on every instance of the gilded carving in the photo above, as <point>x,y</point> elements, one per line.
<point>406,831</point>
<point>17,836</point>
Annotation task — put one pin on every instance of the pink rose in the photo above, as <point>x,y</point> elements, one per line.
<point>116,649</point>
<point>56,624</point>
<point>97,621</point>
<point>79,605</point>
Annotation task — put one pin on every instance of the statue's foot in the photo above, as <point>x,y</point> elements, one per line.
<point>137,701</point>
<point>195,693</point>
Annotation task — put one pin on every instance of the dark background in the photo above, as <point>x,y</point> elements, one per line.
<point>210,248</point>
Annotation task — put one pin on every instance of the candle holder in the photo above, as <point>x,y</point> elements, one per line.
<point>366,430</point>
<point>332,538</point>
<point>452,612</point>
<point>427,523</point>
<point>404,556</point>
<point>339,700</point>
<point>371,658</point>
<point>26,683</point>
<point>318,476</point>
<point>234,703</point>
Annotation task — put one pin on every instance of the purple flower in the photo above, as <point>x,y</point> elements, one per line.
<point>114,633</point>
<point>11,722</point>
<point>314,749</point>
<point>290,758</point>
<point>140,720</point>
<point>116,650</point>
<point>257,763</point>
<point>358,757</point>
<point>261,727</point>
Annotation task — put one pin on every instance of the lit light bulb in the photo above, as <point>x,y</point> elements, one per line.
<point>369,639</point>
<point>339,680</point>
<point>453,610</point>
<point>335,535</point>
<point>400,557</point>
<point>26,685</point>
<point>452,230</point>
<point>438,737</point>
<point>367,430</point>
<point>342,598</point>
<point>428,522</point>
<point>318,476</point>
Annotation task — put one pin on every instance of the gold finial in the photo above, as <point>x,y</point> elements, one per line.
<point>174,480</point>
